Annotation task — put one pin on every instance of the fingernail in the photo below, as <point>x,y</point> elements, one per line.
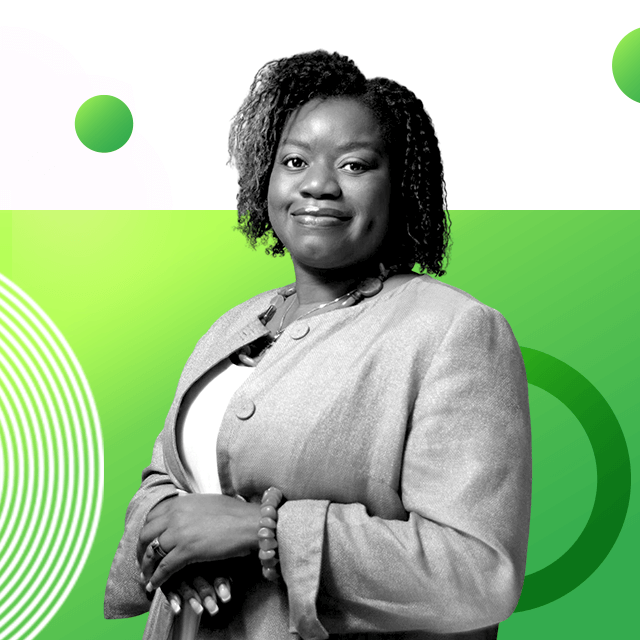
<point>142,578</point>
<point>195,605</point>
<point>149,587</point>
<point>174,601</point>
<point>224,593</point>
<point>211,605</point>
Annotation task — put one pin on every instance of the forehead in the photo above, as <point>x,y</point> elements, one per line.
<point>337,121</point>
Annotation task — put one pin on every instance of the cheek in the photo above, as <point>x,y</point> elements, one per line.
<point>277,207</point>
<point>273,199</point>
<point>277,193</point>
<point>380,203</point>
<point>271,190</point>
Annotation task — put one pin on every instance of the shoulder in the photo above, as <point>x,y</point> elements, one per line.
<point>234,320</point>
<point>435,316</point>
<point>247,310</point>
<point>427,300</point>
<point>211,347</point>
<point>430,290</point>
<point>465,335</point>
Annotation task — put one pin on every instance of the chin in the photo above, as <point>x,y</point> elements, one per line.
<point>322,264</point>
<point>326,256</point>
<point>329,263</point>
<point>318,256</point>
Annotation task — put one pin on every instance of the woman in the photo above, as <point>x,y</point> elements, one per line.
<point>388,408</point>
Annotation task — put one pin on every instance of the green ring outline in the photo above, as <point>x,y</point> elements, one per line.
<point>613,490</point>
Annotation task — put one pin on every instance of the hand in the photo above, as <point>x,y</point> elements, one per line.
<point>196,528</point>
<point>190,588</point>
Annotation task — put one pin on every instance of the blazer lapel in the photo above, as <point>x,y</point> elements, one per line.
<point>216,349</point>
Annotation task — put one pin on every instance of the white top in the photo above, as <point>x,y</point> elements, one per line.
<point>199,422</point>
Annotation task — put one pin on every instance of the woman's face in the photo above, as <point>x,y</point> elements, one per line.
<point>330,186</point>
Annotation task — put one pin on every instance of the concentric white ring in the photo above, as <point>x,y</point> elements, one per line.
<point>51,466</point>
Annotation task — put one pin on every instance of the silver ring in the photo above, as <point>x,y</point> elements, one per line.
<point>157,549</point>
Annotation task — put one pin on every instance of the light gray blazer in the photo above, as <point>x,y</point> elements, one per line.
<point>398,429</point>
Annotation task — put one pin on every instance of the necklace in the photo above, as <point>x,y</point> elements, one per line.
<point>243,354</point>
<point>369,287</point>
<point>320,306</point>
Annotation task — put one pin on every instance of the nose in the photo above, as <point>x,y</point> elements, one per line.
<point>320,181</point>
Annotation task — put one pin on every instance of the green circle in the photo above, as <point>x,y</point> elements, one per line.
<point>104,123</point>
<point>613,468</point>
<point>626,65</point>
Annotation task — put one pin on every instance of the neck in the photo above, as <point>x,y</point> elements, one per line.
<point>315,286</point>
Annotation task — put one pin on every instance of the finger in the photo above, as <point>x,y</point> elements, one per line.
<point>223,589</point>
<point>150,560</point>
<point>153,555</point>
<point>207,594</point>
<point>167,566</point>
<point>211,605</point>
<point>152,524</point>
<point>148,533</point>
<point>190,595</point>
<point>174,601</point>
<point>148,564</point>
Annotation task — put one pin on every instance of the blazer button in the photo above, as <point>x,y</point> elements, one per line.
<point>299,331</point>
<point>246,410</point>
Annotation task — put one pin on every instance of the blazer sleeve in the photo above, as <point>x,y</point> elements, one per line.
<point>125,595</point>
<point>457,562</point>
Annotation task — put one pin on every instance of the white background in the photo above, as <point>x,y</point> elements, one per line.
<point>521,94</point>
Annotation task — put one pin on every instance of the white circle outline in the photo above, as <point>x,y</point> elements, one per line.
<point>88,442</point>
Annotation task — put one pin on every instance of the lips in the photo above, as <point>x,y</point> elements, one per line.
<point>311,211</point>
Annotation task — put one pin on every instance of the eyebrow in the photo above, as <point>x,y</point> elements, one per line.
<point>349,146</point>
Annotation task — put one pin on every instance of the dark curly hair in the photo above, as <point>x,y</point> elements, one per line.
<point>420,229</point>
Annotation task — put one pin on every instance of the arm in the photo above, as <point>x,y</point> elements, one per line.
<point>125,594</point>
<point>457,563</point>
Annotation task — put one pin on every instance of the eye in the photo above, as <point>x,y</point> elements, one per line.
<point>355,167</point>
<point>294,162</point>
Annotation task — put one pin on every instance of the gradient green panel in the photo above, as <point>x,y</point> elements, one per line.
<point>132,291</point>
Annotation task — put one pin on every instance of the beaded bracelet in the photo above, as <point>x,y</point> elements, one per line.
<point>268,554</point>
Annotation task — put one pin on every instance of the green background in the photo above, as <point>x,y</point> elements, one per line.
<point>133,291</point>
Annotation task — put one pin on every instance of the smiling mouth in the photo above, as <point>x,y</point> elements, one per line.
<point>320,217</point>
